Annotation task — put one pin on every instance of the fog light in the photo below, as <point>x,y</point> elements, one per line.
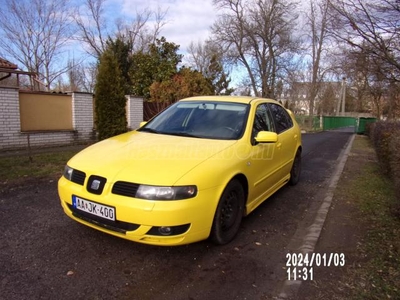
<point>168,230</point>
<point>165,230</point>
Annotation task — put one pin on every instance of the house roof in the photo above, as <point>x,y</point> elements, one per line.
<point>5,64</point>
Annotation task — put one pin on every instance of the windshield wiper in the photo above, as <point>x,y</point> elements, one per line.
<point>182,134</point>
<point>150,130</point>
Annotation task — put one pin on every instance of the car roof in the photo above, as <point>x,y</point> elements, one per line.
<point>236,99</point>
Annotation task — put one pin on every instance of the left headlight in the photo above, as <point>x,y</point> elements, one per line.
<point>166,192</point>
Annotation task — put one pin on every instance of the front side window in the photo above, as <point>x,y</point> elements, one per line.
<point>208,119</point>
<point>282,119</point>
<point>262,120</point>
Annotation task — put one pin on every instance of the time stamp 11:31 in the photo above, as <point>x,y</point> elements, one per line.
<point>300,266</point>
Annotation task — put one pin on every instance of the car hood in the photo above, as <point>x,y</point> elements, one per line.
<point>146,158</point>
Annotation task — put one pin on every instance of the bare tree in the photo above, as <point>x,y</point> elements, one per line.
<point>371,26</point>
<point>35,34</point>
<point>369,29</point>
<point>81,77</point>
<point>327,104</point>
<point>199,56</point>
<point>318,20</point>
<point>376,87</point>
<point>138,32</point>
<point>95,29</point>
<point>92,26</point>
<point>208,59</point>
<point>257,35</point>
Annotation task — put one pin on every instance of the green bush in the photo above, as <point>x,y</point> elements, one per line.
<point>382,134</point>
<point>385,137</point>
<point>110,98</point>
<point>368,128</point>
<point>395,166</point>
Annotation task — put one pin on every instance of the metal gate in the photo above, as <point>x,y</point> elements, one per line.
<point>330,122</point>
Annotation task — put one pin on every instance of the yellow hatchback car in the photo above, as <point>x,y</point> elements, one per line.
<point>190,173</point>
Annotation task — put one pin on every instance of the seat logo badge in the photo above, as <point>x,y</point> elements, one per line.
<point>95,185</point>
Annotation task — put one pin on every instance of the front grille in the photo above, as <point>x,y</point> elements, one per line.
<point>78,177</point>
<point>118,226</point>
<point>124,188</point>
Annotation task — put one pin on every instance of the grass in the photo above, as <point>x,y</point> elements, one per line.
<point>373,194</point>
<point>41,165</point>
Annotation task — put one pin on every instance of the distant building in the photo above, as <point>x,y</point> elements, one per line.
<point>5,64</point>
<point>11,76</point>
<point>297,98</point>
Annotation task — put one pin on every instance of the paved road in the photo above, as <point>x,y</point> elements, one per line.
<point>45,255</point>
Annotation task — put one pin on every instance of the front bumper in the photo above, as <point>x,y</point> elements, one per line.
<point>139,220</point>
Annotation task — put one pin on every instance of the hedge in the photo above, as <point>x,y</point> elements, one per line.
<point>385,136</point>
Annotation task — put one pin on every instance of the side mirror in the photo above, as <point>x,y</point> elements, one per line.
<point>142,124</point>
<point>266,137</point>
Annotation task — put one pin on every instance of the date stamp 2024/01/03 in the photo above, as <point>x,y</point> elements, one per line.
<point>300,266</point>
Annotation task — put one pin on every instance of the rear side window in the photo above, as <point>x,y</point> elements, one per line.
<point>282,119</point>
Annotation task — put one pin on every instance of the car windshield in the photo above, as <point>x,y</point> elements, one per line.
<point>213,120</point>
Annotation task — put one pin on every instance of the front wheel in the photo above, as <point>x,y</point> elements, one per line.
<point>229,213</point>
<point>296,169</point>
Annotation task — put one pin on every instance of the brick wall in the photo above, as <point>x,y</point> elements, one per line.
<point>12,138</point>
<point>10,127</point>
<point>82,116</point>
<point>135,111</point>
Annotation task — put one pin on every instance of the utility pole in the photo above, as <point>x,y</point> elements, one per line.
<point>341,98</point>
<point>343,95</point>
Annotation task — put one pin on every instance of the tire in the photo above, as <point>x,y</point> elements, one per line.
<point>296,169</point>
<point>229,214</point>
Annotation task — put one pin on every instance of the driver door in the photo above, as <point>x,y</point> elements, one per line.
<point>264,159</point>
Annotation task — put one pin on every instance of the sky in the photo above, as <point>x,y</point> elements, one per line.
<point>187,20</point>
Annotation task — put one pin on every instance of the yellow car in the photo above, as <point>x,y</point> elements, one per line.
<point>190,173</point>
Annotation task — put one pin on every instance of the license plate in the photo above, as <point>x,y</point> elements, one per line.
<point>103,211</point>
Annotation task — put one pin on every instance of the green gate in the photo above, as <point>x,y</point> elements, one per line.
<point>330,122</point>
<point>361,124</point>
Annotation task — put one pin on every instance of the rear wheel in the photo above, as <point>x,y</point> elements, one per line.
<point>229,213</point>
<point>296,169</point>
